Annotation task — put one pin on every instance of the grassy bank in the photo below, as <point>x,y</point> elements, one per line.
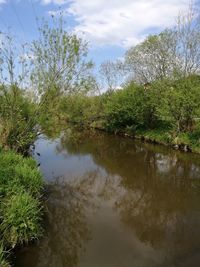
<point>21,185</point>
<point>187,142</point>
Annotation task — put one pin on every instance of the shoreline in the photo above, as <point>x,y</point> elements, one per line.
<point>146,138</point>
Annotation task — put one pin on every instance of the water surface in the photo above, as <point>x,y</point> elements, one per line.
<point>115,202</point>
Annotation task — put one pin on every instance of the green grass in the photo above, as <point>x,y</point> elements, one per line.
<point>21,219</point>
<point>21,185</point>
<point>162,136</point>
<point>3,260</point>
<point>169,137</point>
<point>165,135</point>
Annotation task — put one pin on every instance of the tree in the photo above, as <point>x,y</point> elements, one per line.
<point>187,31</point>
<point>153,59</point>
<point>111,73</point>
<point>173,53</point>
<point>180,102</point>
<point>131,107</point>
<point>60,60</point>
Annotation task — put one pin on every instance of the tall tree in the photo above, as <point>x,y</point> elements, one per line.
<point>188,41</point>
<point>174,52</point>
<point>153,59</point>
<point>60,59</point>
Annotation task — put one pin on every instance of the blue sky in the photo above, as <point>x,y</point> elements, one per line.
<point>110,26</point>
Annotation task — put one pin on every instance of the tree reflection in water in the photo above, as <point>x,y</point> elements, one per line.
<point>67,231</point>
<point>154,192</point>
<point>158,194</point>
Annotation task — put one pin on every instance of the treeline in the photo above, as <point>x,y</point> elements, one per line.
<point>166,111</point>
<point>154,93</point>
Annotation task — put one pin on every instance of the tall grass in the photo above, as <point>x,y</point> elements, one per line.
<point>21,185</point>
<point>3,260</point>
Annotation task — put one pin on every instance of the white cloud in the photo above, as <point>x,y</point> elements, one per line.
<point>121,22</point>
<point>56,2</point>
<point>3,1</point>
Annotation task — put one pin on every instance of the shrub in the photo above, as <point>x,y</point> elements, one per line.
<point>17,119</point>
<point>82,109</point>
<point>180,103</point>
<point>133,106</point>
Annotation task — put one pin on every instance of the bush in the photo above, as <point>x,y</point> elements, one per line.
<point>17,119</point>
<point>133,106</point>
<point>166,104</point>
<point>82,109</point>
<point>180,102</point>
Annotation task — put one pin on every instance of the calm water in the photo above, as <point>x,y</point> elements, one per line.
<point>115,202</point>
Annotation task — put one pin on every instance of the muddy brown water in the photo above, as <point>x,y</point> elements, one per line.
<point>115,202</point>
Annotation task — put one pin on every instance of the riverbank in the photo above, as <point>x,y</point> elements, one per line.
<point>187,142</point>
<point>21,186</point>
<point>183,141</point>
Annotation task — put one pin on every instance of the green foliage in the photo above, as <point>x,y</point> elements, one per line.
<point>21,219</point>
<point>18,172</point>
<point>180,102</point>
<point>53,65</point>
<point>132,106</point>
<point>3,261</point>
<point>17,119</point>
<point>49,108</point>
<point>172,54</point>
<point>167,106</point>
<point>61,68</point>
<point>165,111</point>
<point>82,109</point>
<point>60,59</point>
<point>20,208</point>
<point>153,59</point>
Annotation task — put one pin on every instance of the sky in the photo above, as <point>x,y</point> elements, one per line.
<point>110,26</point>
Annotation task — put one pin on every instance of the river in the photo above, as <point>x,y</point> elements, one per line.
<point>116,202</point>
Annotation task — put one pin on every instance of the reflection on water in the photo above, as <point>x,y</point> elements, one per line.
<point>114,202</point>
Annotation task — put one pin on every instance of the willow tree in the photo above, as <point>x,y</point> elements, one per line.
<point>60,68</point>
<point>60,59</point>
